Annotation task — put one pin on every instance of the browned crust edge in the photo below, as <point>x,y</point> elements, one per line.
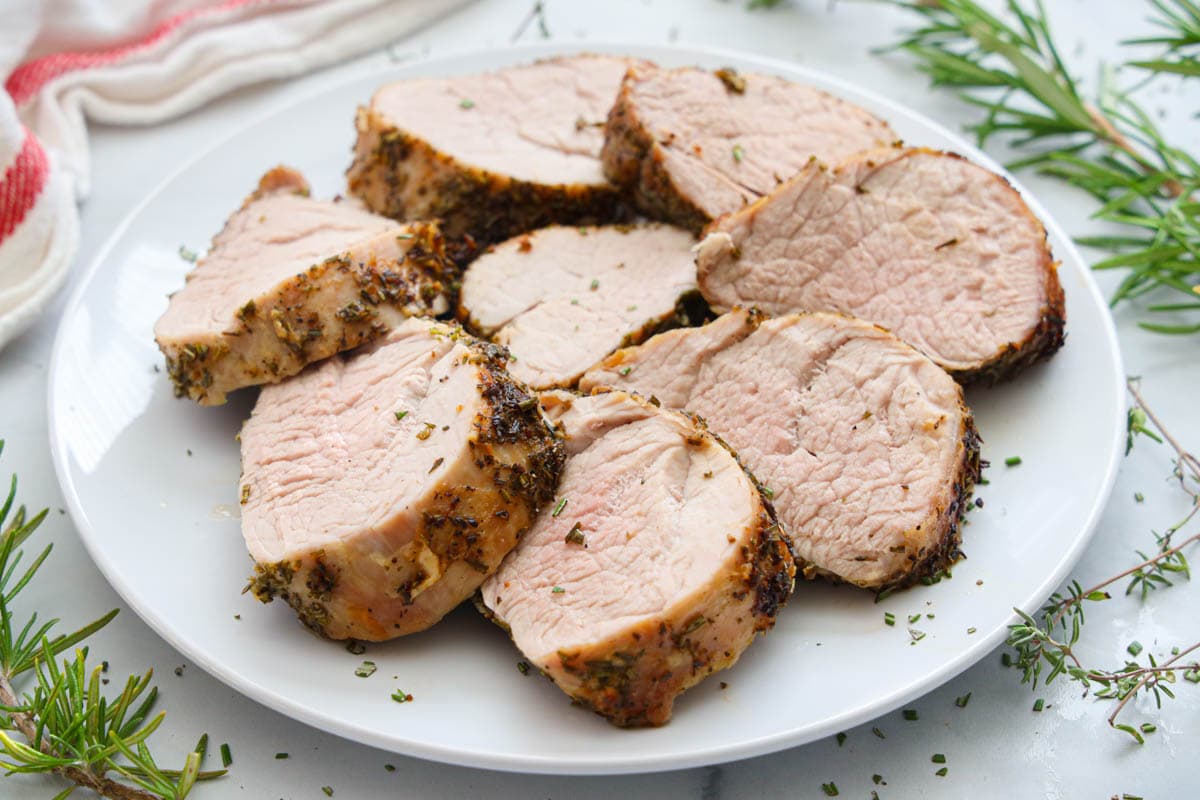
<point>477,207</point>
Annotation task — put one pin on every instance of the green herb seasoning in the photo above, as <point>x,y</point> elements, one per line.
<point>913,618</point>
<point>187,254</point>
<point>841,739</point>
<point>1012,461</point>
<point>878,733</point>
<point>939,758</point>
<point>558,509</point>
<point>916,635</point>
<point>961,702</point>
<point>738,153</point>
<point>1138,496</point>
<point>575,535</point>
<point>877,779</point>
<point>400,697</point>
<point>523,667</point>
<point>970,631</point>
<point>625,371</point>
<point>595,284</point>
<point>401,415</point>
<point>557,590</point>
<point>889,618</point>
<point>910,714</point>
<point>830,789</point>
<point>466,103</point>
<point>280,756</point>
<point>355,647</point>
<point>941,773</point>
<point>366,669</point>
<point>328,790</point>
<point>1134,649</point>
<point>425,432</point>
<point>390,767</point>
<point>226,755</point>
<point>1039,704</point>
<point>1148,727</point>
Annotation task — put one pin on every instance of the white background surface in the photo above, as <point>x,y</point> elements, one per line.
<point>997,746</point>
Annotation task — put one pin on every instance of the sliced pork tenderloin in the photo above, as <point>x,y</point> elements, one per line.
<point>494,154</point>
<point>864,443</point>
<point>693,144</point>
<point>656,567</point>
<point>940,251</point>
<point>291,280</point>
<point>563,298</point>
<point>380,489</point>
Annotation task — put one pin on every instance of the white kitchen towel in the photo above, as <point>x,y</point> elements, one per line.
<point>138,62</point>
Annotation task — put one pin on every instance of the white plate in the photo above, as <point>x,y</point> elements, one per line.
<point>152,484</point>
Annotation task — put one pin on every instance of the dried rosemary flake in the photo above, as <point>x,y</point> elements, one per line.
<point>401,415</point>
<point>558,509</point>
<point>830,789</point>
<point>961,702</point>
<point>523,667</point>
<point>1039,704</point>
<point>226,755</point>
<point>425,432</point>
<point>878,733</point>
<point>366,669</point>
<point>889,618</point>
<point>941,773</point>
<point>910,714</point>
<point>280,756</point>
<point>328,790</point>
<point>939,758</point>
<point>625,371</point>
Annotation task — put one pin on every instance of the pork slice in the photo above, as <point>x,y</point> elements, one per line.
<point>693,144</point>
<point>291,280</point>
<point>563,298</point>
<point>492,154</point>
<point>380,489</point>
<point>940,251</point>
<point>864,443</point>
<point>656,567</point>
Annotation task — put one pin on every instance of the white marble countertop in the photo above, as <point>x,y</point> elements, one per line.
<point>995,747</point>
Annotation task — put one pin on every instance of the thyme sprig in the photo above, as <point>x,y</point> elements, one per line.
<point>1106,144</point>
<point>1044,642</point>
<point>63,723</point>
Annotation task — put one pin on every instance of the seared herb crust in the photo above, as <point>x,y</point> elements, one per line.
<point>402,176</point>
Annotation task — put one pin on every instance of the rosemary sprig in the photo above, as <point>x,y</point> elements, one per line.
<point>1047,638</point>
<point>63,724</point>
<point>1106,145</point>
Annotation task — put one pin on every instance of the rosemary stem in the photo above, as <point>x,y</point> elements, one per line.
<point>27,727</point>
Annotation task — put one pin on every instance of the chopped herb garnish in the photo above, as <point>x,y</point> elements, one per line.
<point>401,415</point>
<point>841,739</point>
<point>961,702</point>
<point>941,773</point>
<point>1039,704</point>
<point>625,371</point>
<point>187,254</point>
<point>1138,496</point>
<point>575,535</point>
<point>557,590</point>
<point>280,756</point>
<point>889,618</point>
<point>366,669</point>
<point>913,618</point>
<point>768,492</point>
<point>830,789</point>
<point>1005,660</point>
<point>910,714</point>
<point>631,308</point>
<point>523,667</point>
<point>1012,461</point>
<point>1135,648</point>
<point>1148,727</point>
<point>939,758</point>
<point>970,631</point>
<point>878,733</point>
<point>595,284</point>
<point>466,103</point>
<point>400,697</point>
<point>226,755</point>
<point>328,790</point>
<point>877,779</point>
<point>738,153</point>
<point>558,509</point>
<point>1192,676</point>
<point>916,635</point>
<point>390,767</point>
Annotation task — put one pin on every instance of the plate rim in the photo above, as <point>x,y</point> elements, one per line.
<point>1067,253</point>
